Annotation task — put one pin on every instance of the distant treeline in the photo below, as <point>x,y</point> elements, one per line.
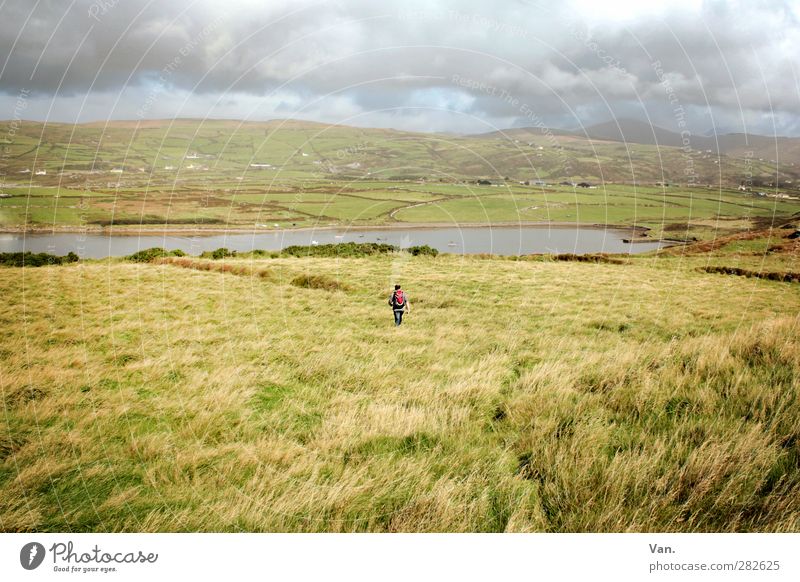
<point>29,259</point>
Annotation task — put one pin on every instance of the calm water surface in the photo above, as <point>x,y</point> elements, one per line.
<point>507,240</point>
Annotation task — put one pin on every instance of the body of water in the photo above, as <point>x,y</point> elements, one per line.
<point>505,240</point>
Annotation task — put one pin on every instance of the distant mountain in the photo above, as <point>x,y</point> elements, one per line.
<point>739,145</point>
<point>630,131</point>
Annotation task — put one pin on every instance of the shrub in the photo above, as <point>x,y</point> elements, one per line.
<point>219,253</point>
<point>352,249</point>
<point>349,249</point>
<point>151,254</point>
<point>423,250</point>
<point>29,259</point>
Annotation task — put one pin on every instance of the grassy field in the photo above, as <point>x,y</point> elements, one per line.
<point>519,395</point>
<point>229,174</point>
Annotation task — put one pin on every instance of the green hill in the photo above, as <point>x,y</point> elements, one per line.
<point>195,173</point>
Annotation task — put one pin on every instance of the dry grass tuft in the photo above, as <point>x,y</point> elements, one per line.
<point>24,395</point>
<point>768,275</point>
<point>235,268</point>
<point>318,282</point>
<point>585,258</point>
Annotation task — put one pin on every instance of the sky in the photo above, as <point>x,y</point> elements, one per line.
<point>463,66</point>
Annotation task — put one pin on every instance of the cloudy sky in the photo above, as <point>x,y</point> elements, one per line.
<point>429,65</point>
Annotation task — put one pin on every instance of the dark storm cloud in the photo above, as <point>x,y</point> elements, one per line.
<point>723,62</point>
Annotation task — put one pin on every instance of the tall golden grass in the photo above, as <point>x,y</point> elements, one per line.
<point>517,396</point>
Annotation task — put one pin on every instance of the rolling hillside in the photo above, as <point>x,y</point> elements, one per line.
<point>234,174</point>
<point>300,149</point>
<point>758,157</point>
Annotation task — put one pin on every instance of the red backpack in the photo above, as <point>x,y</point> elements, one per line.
<point>398,299</point>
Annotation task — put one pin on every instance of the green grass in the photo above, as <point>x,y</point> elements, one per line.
<point>607,206</point>
<point>519,395</point>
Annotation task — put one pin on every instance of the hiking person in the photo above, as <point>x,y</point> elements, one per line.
<point>399,303</point>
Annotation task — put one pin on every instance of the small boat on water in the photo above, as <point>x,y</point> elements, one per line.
<point>452,244</point>
<point>314,243</point>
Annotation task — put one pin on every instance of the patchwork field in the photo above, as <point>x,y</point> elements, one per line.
<point>190,174</point>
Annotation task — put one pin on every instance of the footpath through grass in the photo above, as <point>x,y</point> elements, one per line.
<point>517,396</point>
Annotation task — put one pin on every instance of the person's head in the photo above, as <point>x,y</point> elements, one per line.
<point>396,287</point>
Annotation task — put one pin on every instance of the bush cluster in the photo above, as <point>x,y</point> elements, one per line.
<point>423,250</point>
<point>29,259</point>
<point>349,249</point>
<point>149,255</point>
<point>220,253</point>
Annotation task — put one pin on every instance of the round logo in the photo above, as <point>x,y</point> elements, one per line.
<point>31,555</point>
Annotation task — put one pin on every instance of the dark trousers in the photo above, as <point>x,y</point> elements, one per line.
<point>398,316</point>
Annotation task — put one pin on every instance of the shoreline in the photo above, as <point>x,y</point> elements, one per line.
<point>639,232</point>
